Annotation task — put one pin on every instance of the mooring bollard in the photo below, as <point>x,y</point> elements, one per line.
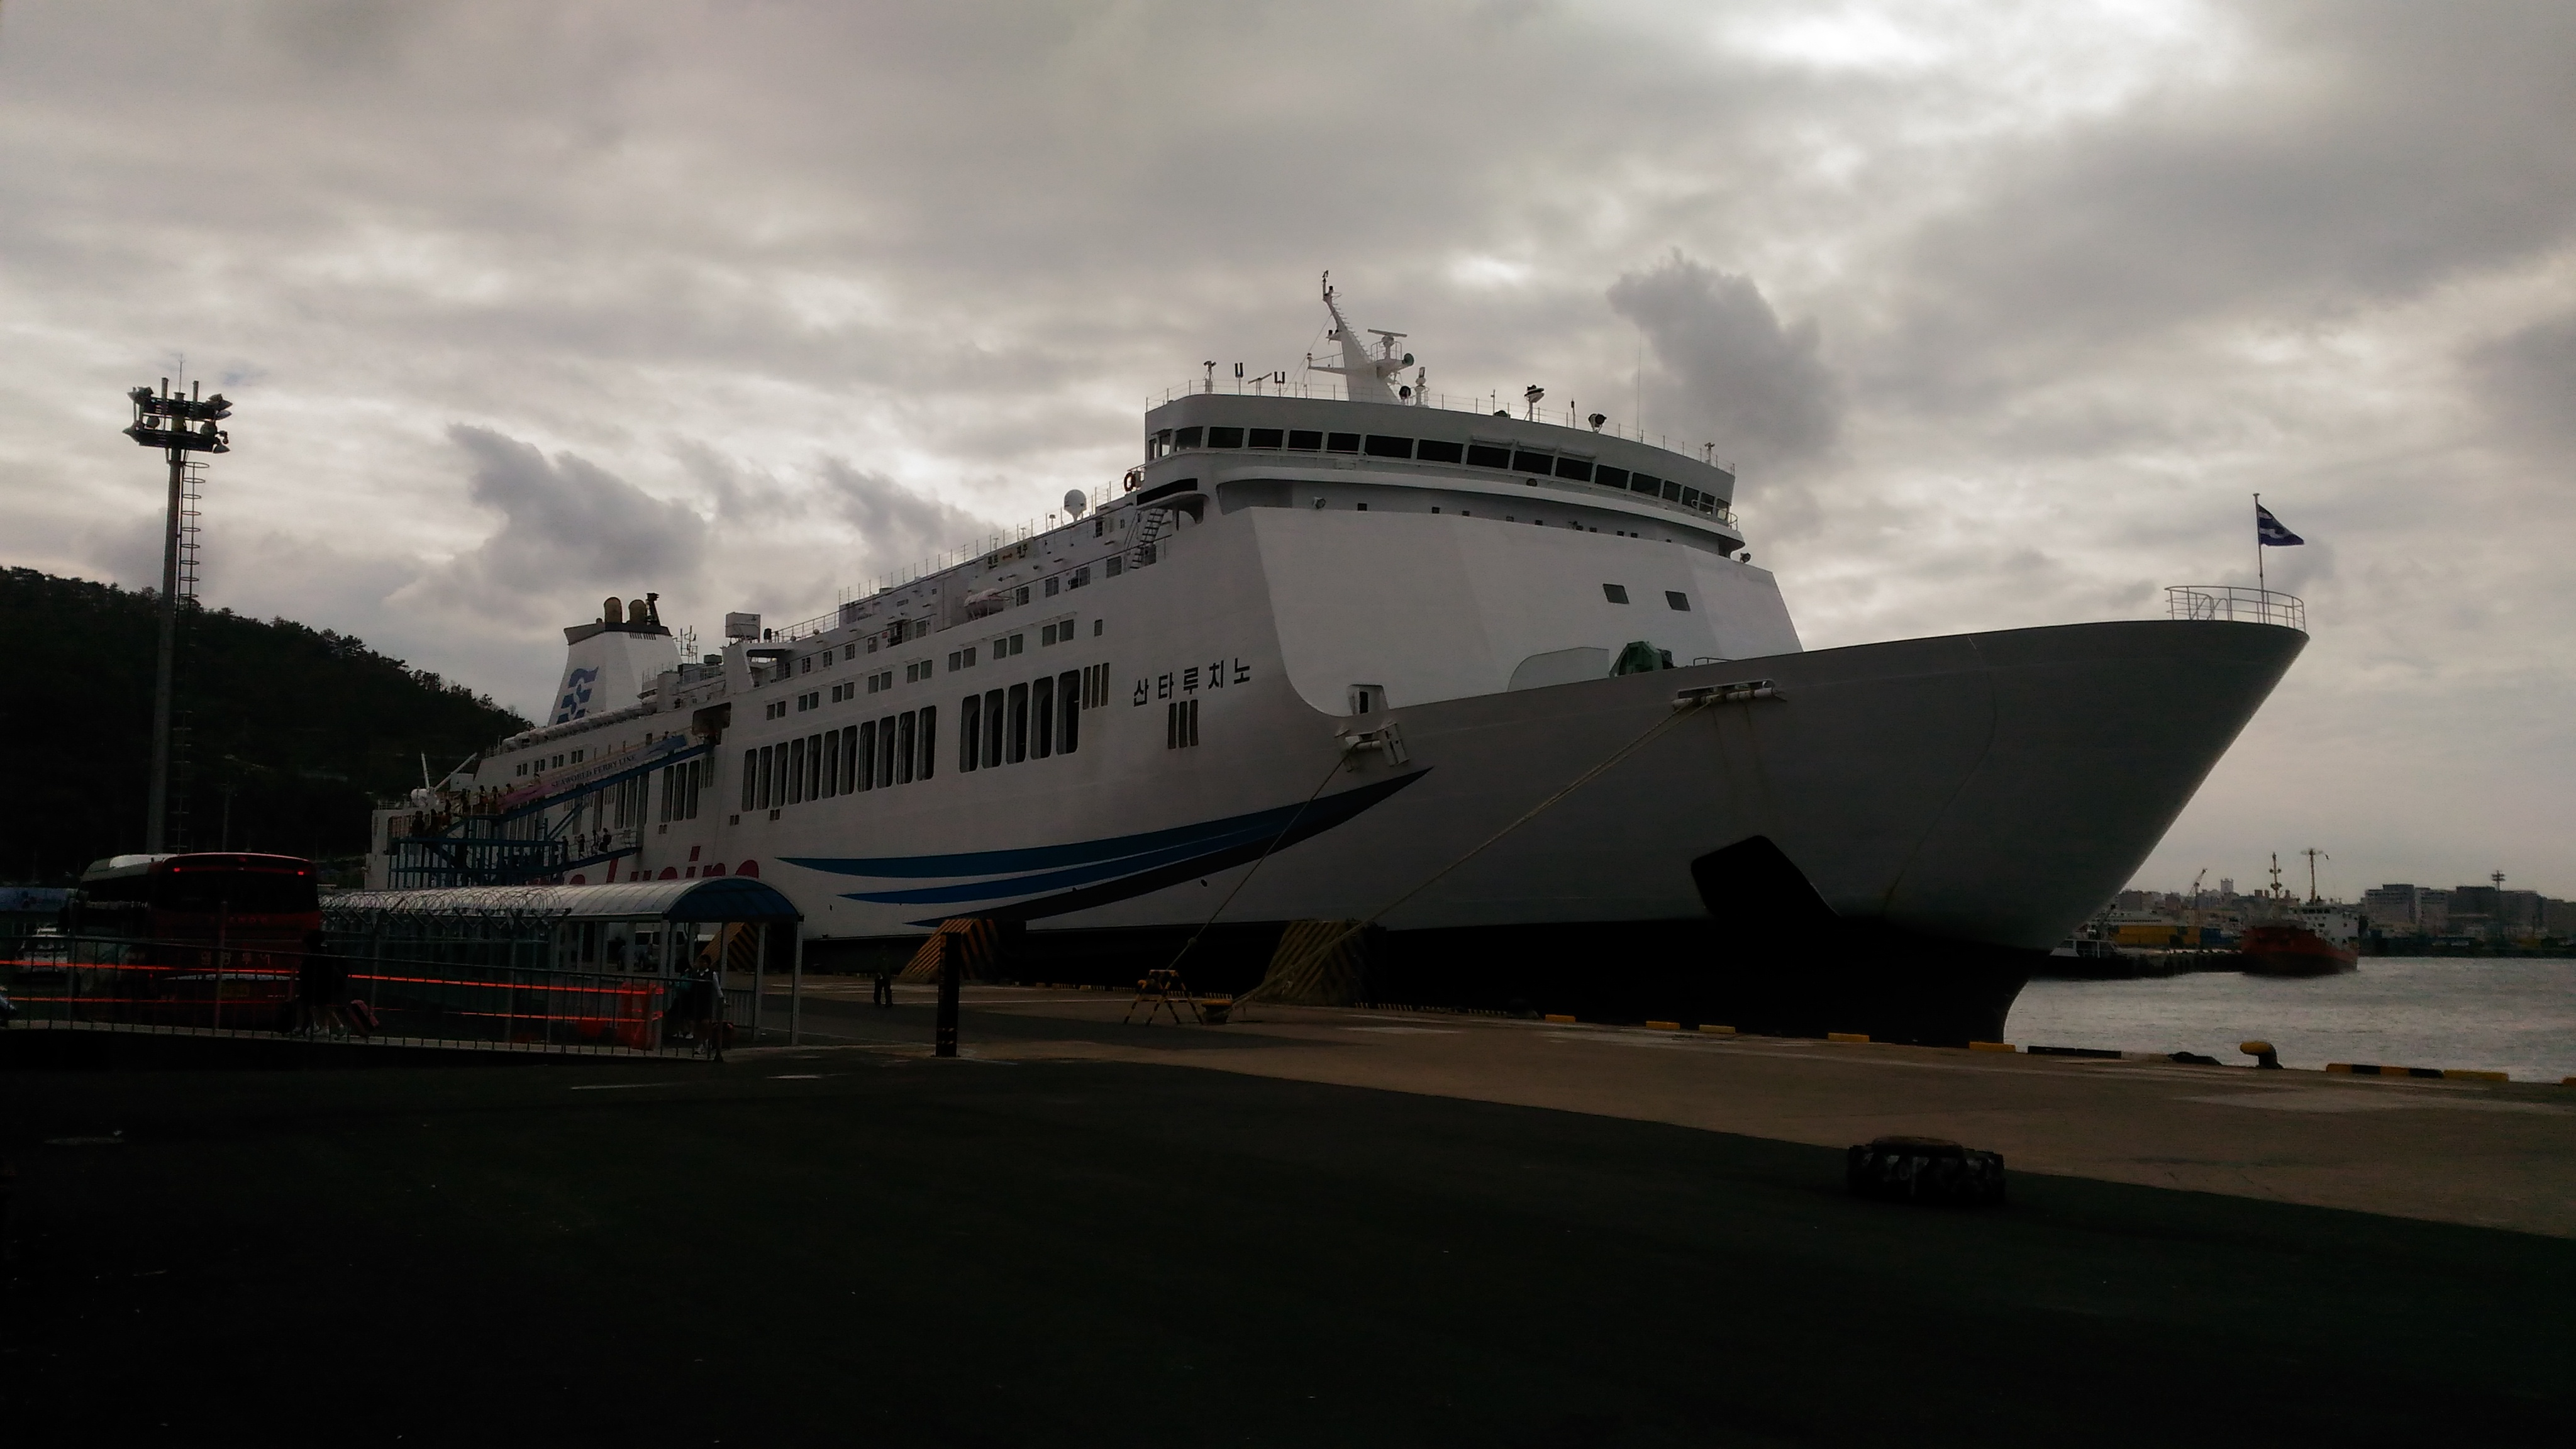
<point>2262,1053</point>
<point>945,1043</point>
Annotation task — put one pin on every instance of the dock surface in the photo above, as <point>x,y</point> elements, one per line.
<point>1086,1234</point>
<point>2499,1155</point>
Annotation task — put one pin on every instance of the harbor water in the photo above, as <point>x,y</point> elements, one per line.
<point>2492,1014</point>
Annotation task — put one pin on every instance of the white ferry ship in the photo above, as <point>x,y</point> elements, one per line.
<point>1509,690</point>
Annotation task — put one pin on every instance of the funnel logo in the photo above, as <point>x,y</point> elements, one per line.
<point>576,695</point>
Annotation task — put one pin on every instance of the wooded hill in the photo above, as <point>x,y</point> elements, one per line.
<point>295,732</point>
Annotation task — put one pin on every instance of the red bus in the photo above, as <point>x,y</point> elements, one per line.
<point>193,939</point>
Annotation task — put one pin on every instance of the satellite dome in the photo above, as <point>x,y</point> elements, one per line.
<point>1075,501</point>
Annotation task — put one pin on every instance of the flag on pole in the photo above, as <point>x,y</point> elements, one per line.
<point>2269,532</point>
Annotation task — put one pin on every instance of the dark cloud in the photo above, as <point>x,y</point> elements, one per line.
<point>1726,370</point>
<point>896,526</point>
<point>2355,153</point>
<point>570,529</point>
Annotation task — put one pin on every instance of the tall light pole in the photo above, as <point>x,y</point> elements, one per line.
<point>178,426</point>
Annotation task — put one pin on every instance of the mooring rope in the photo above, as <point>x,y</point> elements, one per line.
<point>1680,712</point>
<point>1338,761</point>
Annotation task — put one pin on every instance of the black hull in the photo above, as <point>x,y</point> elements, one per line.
<point>1872,980</point>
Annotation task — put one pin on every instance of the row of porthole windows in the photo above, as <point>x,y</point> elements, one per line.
<point>1437,450</point>
<point>895,750</point>
<point>997,727</point>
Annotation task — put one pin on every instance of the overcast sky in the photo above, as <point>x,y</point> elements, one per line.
<point>2002,310</point>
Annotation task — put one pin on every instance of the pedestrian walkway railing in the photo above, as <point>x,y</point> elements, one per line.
<point>90,982</point>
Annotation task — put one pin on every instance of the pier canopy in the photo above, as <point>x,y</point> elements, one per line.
<point>657,926</point>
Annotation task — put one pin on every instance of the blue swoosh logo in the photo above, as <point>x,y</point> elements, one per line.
<point>1132,864</point>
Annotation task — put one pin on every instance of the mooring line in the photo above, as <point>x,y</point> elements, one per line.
<point>1338,761</point>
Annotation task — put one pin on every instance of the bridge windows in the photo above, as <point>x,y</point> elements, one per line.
<point>1488,455</point>
<point>1433,450</point>
<point>1381,446</point>
<point>1341,442</point>
<point>1225,437</point>
<point>1578,469</point>
<point>1263,438</point>
<point>1301,440</point>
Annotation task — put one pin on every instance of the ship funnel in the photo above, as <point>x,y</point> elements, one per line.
<point>611,612</point>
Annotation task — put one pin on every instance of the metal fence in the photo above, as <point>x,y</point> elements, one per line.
<point>2234,604</point>
<point>191,987</point>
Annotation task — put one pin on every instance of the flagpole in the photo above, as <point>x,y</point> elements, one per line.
<point>2259,585</point>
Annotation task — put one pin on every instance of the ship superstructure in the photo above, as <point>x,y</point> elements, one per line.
<point>1340,658</point>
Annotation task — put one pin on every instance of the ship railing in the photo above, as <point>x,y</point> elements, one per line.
<point>1486,404</point>
<point>2235,604</point>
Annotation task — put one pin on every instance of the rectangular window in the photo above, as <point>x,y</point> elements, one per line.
<point>1525,461</point>
<point>1303,441</point>
<point>1672,491</point>
<point>1185,437</point>
<point>1225,437</point>
<point>906,741</point>
<point>1380,446</point>
<point>1068,696</point>
<point>1342,443</point>
<point>795,772</point>
<point>1679,601</point>
<point>1609,477</point>
<point>831,763</point>
<point>850,756</point>
<point>1486,455</point>
<point>1080,577</point>
<point>750,778</point>
<point>1615,593</point>
<point>993,700</point>
<point>1053,584</point>
<point>1574,468</point>
<point>954,656</point>
<point>768,776</point>
<point>1262,438</point>
<point>868,755</point>
<point>1018,745</point>
<point>813,767</point>
<point>1433,450</point>
<point>1117,565</point>
<point>1042,717</point>
<point>970,744</point>
<point>1690,498</point>
<point>885,751</point>
<point>929,740</point>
